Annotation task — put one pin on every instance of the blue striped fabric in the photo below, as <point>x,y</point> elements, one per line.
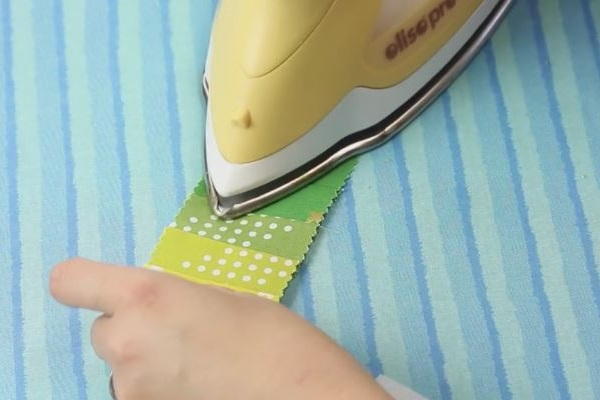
<point>463,259</point>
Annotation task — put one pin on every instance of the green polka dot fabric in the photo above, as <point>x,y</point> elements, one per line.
<point>257,253</point>
<point>257,231</point>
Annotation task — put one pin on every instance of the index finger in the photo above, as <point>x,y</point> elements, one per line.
<point>88,284</point>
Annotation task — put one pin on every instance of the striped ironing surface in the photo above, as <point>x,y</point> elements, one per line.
<point>461,260</point>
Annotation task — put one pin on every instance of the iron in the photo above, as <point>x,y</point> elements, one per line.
<point>294,88</point>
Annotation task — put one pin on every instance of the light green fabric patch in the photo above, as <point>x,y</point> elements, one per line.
<point>260,232</point>
<point>211,262</point>
<point>257,253</point>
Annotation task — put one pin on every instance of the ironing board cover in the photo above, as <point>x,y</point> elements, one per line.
<point>461,260</point>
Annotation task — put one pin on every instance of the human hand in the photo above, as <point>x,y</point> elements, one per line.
<point>166,338</point>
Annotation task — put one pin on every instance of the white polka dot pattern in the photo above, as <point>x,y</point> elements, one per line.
<point>222,264</point>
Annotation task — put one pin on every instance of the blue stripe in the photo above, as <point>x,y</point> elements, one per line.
<point>175,131</point>
<point>436,354</point>
<point>347,294</point>
<point>530,240</point>
<point>70,192</point>
<point>298,295</point>
<point>464,202</point>
<point>308,303</point>
<point>374,364</point>
<point>293,297</point>
<point>569,170</point>
<point>13,205</point>
<point>121,147</point>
